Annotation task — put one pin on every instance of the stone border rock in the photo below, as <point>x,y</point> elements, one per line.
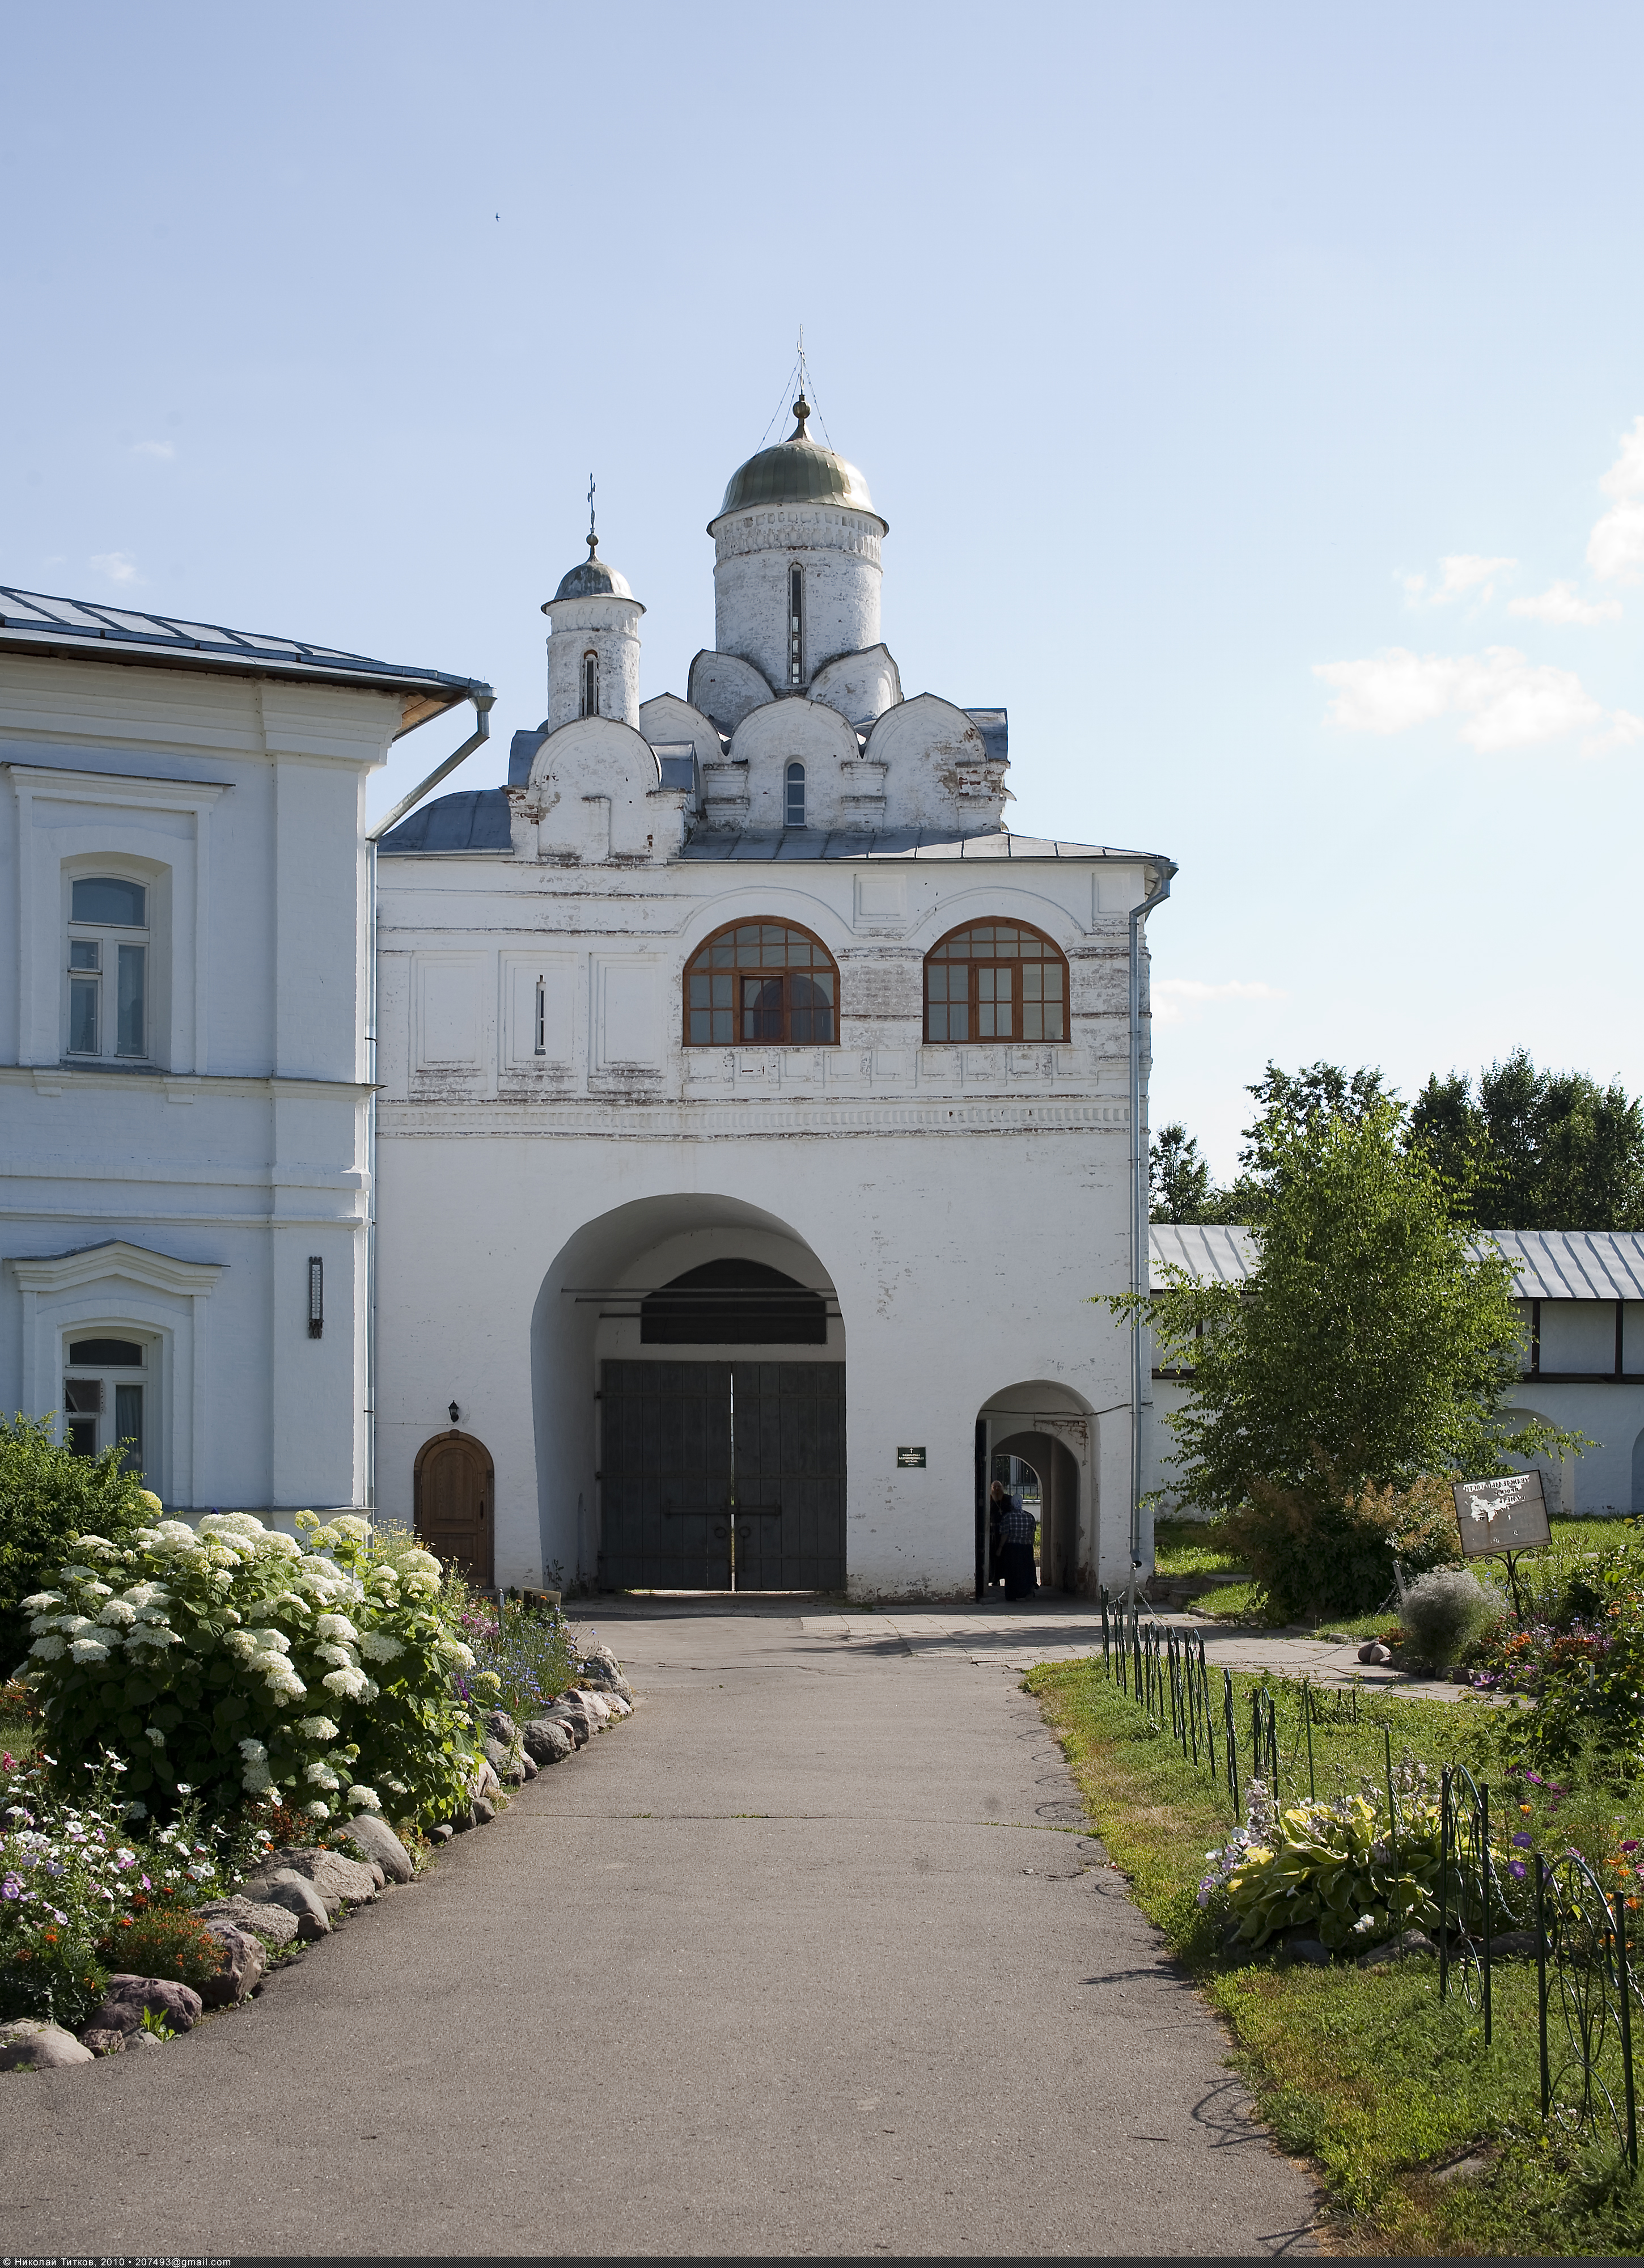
<point>299,1893</point>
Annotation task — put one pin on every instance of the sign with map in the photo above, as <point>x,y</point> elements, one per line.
<point>1509,1515</point>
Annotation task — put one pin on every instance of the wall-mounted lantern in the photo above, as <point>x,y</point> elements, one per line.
<point>316,1298</point>
<point>455,1413</point>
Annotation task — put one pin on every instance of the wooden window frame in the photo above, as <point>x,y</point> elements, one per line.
<point>972,965</point>
<point>735,1007</point>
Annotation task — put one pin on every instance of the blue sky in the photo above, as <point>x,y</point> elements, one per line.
<point>1256,396</point>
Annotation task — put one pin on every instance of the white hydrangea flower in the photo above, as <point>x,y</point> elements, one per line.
<point>369,1691</point>
<point>71,1625</point>
<point>346,1684</point>
<point>318,1810</point>
<point>153,1633</point>
<point>157,1735</point>
<point>453,1651</point>
<point>256,1779</point>
<point>338,1655</point>
<point>321,1776</point>
<point>100,1591</point>
<point>318,1728</point>
<point>174,1533</point>
<point>377,1645</point>
<point>149,1499</point>
<point>352,1526</point>
<point>365,1799</point>
<point>253,1751</point>
<point>46,1649</point>
<point>274,1641</point>
<point>233,1525</point>
<point>419,1562</point>
<point>337,1626</point>
<point>40,1601</point>
<point>277,1545</point>
<point>118,1614</point>
<point>396,1786</point>
<point>243,1644</point>
<point>87,1649</point>
<point>143,1595</point>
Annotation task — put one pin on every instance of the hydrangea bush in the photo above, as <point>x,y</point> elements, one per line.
<point>235,1661</point>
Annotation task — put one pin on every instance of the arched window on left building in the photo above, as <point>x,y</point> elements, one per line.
<point>107,975</point>
<point>761,984</point>
<point>591,684</point>
<point>106,1384</point>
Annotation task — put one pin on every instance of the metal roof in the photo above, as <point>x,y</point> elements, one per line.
<point>994,725</point>
<point>31,622</point>
<point>1547,1263</point>
<point>473,818</point>
<point>797,470</point>
<point>771,844</point>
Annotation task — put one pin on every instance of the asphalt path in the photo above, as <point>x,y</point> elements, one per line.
<point>811,1956</point>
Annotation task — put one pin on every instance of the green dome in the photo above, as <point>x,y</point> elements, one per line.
<point>797,470</point>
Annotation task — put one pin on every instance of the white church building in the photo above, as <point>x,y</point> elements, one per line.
<point>743,1130</point>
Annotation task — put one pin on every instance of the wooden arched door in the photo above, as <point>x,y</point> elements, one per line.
<point>456,1497</point>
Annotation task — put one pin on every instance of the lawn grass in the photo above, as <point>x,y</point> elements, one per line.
<point>1366,2073</point>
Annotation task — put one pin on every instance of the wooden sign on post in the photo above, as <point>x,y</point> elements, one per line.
<point>1509,1515</point>
<point>1501,1519</point>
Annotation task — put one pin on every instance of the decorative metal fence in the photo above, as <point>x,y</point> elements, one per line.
<point>1589,1995</point>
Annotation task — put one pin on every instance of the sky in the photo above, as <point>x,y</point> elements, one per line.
<point>1256,397</point>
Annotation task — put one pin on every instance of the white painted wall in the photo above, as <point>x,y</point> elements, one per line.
<point>963,1202</point>
<point>193,1188</point>
<point>838,552</point>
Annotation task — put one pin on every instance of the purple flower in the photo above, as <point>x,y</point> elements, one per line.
<point>1522,1840</point>
<point>1517,1869</point>
<point>1629,1846</point>
<point>12,1887</point>
<point>1534,1779</point>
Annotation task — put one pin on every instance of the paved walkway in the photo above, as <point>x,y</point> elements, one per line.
<point>1061,1630</point>
<point>810,1957</point>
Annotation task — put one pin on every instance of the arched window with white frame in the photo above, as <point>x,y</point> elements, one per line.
<point>107,974</point>
<point>794,802</point>
<point>107,1380</point>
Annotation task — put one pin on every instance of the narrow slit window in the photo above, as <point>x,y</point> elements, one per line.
<point>590,685</point>
<point>796,626</point>
<point>795,814</point>
<point>316,1298</point>
<point>541,1046</point>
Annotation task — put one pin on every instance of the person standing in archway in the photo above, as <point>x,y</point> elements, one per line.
<point>1016,1530</point>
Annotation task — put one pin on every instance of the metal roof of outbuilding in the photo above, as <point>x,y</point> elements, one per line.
<point>791,842</point>
<point>1547,1263</point>
<point>31,622</point>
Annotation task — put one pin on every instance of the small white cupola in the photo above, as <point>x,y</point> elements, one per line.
<point>593,642</point>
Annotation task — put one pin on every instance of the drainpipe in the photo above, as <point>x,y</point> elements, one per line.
<point>482,698</point>
<point>1139,1182</point>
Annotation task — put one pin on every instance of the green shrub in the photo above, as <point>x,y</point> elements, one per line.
<point>1323,1549</point>
<point>161,1943</point>
<point>1446,1612</point>
<point>228,1662</point>
<point>48,1496</point>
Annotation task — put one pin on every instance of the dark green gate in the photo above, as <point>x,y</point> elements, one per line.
<point>677,1466</point>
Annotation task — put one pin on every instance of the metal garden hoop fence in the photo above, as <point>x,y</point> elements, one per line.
<point>1586,1979</point>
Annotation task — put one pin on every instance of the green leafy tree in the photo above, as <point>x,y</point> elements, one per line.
<point>1371,1345</point>
<point>1181,1183</point>
<point>47,1495</point>
<point>1534,1149</point>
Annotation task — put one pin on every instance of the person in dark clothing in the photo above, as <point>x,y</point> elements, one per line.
<point>996,1501</point>
<point>1016,1529</point>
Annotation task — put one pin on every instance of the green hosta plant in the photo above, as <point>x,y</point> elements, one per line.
<point>1331,1869</point>
<point>229,1662</point>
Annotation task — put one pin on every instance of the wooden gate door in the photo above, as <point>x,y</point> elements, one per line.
<point>455,1499</point>
<point>789,1475</point>
<point>665,1471</point>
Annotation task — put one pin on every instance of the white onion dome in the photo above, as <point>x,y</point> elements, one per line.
<point>797,470</point>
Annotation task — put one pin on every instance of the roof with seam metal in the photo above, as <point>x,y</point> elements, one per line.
<point>1547,1263</point>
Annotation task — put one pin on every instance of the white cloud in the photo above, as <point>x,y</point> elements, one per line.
<point>116,566</point>
<point>163,450</point>
<point>1462,571</point>
<point>1615,549</point>
<point>1173,995</point>
<point>1508,701</point>
<point>1562,602</point>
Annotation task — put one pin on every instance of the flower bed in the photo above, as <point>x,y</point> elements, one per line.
<point>225,1712</point>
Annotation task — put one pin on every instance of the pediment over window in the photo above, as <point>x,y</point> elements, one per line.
<point>117,1261</point>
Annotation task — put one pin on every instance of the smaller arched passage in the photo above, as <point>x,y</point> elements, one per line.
<point>455,1496</point>
<point>1053,1463</point>
<point>1055,1431</point>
